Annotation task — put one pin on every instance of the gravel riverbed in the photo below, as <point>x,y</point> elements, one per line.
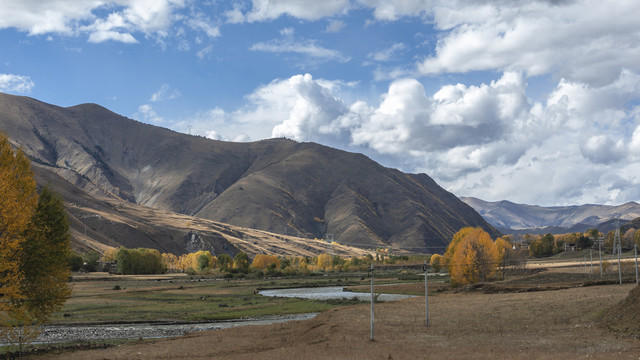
<point>71,333</point>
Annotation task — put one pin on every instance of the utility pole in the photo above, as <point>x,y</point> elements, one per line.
<point>635,251</point>
<point>600,254</point>
<point>426,291</point>
<point>372,300</point>
<point>591,259</point>
<point>617,247</point>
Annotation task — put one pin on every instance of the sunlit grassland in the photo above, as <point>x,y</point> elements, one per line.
<point>109,299</point>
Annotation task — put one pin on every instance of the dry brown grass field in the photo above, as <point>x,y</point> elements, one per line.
<point>554,324</point>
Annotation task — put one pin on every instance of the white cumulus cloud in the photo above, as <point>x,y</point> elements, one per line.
<point>101,20</point>
<point>263,10</point>
<point>575,40</point>
<point>19,84</point>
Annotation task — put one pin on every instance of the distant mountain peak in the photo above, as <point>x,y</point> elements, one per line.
<point>509,215</point>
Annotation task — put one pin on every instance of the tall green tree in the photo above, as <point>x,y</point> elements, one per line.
<point>224,262</point>
<point>44,258</point>
<point>203,262</point>
<point>542,246</point>
<point>139,261</point>
<point>241,262</point>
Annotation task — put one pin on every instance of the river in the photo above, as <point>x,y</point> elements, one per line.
<point>329,292</point>
<point>73,333</point>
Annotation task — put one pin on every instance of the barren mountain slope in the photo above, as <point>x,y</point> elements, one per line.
<point>277,185</point>
<point>99,222</point>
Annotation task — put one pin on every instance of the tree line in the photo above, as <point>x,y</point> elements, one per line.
<point>549,244</point>
<point>151,261</point>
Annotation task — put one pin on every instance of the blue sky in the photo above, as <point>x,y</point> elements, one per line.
<point>530,101</point>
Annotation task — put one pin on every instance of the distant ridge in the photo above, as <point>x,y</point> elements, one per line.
<point>511,217</point>
<point>276,185</point>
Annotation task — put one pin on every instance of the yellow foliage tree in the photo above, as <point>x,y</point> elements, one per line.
<point>475,258</point>
<point>325,261</point>
<point>18,199</point>
<point>504,246</point>
<point>261,261</point>
<point>436,262</point>
<point>457,237</point>
<point>190,261</point>
<point>170,261</point>
<point>109,255</point>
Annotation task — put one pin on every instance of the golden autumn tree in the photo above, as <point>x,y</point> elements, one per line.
<point>109,255</point>
<point>18,199</point>
<point>436,261</point>
<point>504,246</point>
<point>475,258</point>
<point>325,261</point>
<point>198,261</point>
<point>457,237</point>
<point>262,262</point>
<point>170,261</point>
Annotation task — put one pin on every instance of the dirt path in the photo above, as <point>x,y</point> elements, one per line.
<point>541,325</point>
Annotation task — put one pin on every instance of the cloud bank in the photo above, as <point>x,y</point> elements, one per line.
<point>470,136</point>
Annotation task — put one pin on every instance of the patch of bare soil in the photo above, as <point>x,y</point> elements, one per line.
<point>533,325</point>
<point>624,318</point>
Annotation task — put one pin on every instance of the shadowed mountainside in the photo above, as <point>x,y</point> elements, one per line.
<point>275,185</point>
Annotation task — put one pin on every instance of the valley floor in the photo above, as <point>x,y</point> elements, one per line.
<point>559,324</point>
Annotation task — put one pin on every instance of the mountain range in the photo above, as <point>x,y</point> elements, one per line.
<point>278,186</point>
<point>509,217</point>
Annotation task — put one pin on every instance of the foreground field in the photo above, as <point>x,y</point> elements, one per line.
<point>525,325</point>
